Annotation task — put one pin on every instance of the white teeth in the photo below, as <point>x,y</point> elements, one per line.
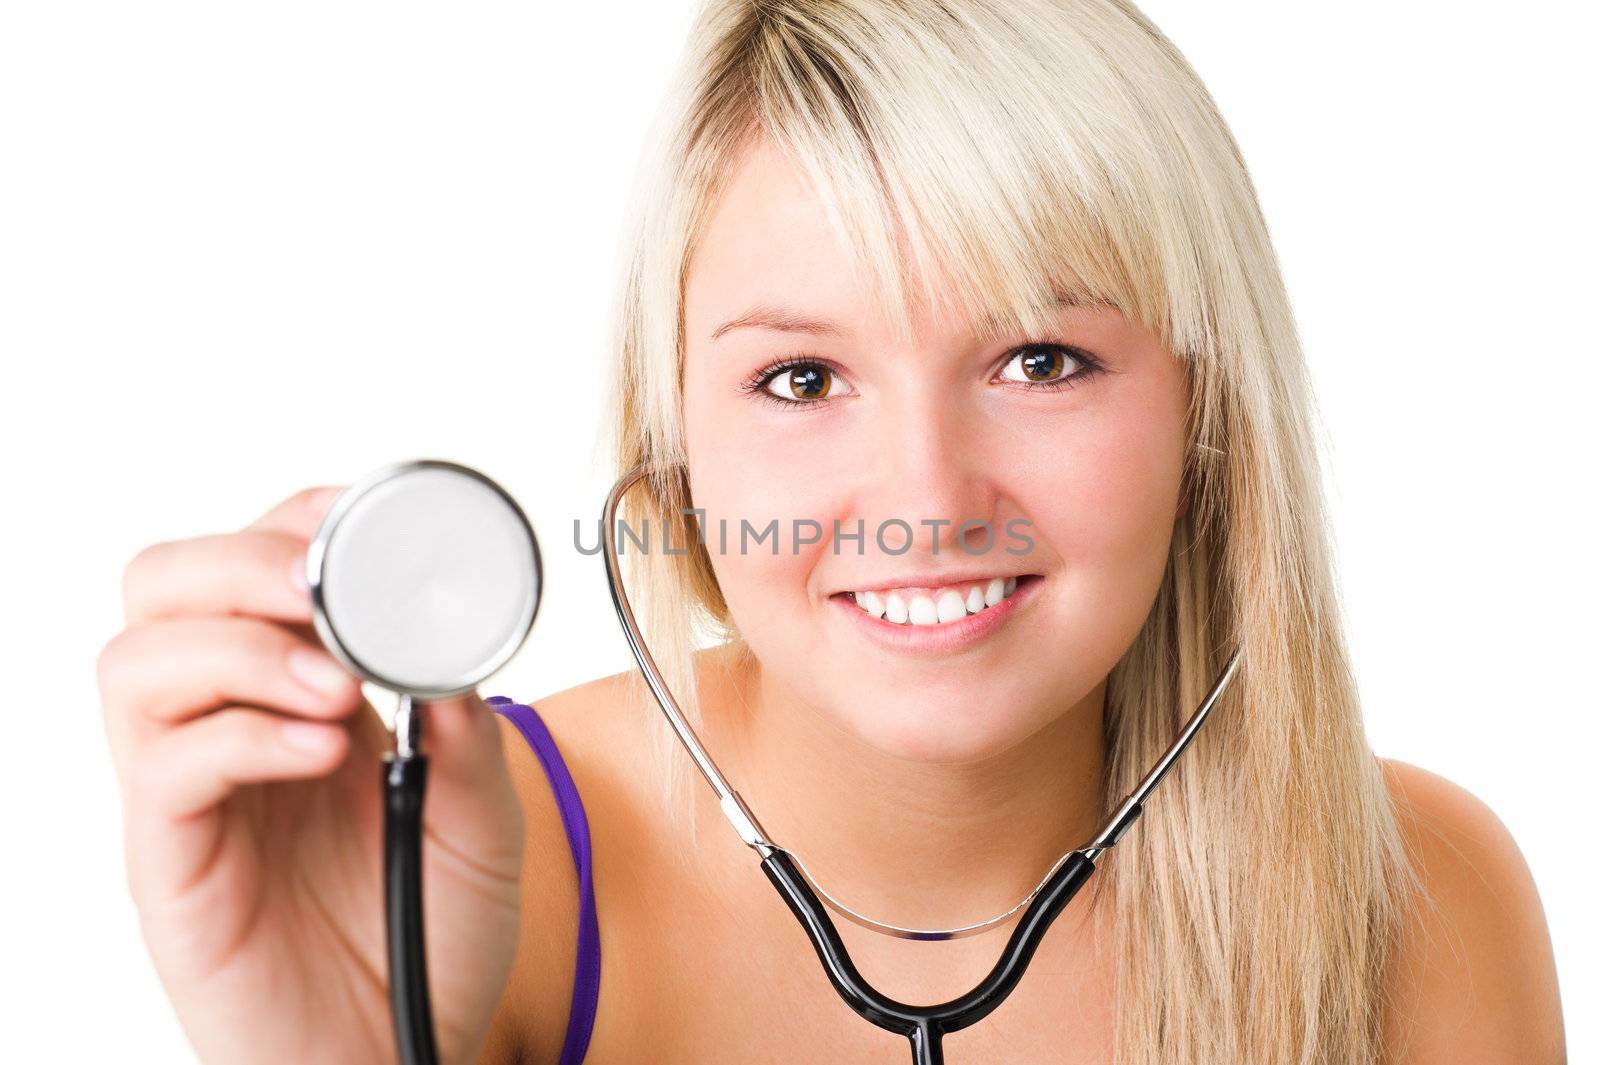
<point>951,607</point>
<point>894,609</point>
<point>916,608</point>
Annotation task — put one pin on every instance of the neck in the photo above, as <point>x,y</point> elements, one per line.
<point>913,843</point>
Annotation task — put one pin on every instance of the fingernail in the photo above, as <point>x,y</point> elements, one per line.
<point>318,672</point>
<point>304,736</point>
<point>323,498</point>
<point>297,574</point>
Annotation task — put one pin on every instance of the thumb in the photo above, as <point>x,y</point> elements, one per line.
<point>471,803</point>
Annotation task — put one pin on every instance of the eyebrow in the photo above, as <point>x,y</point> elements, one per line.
<point>781,320</point>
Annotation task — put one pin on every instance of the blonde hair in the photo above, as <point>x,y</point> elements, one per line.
<point>1014,150</point>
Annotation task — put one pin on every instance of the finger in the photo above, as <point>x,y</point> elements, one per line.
<point>300,514</point>
<point>248,572</point>
<point>182,776</point>
<point>167,672</point>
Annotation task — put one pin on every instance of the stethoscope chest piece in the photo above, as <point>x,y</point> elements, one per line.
<point>425,578</point>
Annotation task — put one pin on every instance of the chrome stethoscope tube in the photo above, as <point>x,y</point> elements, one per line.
<point>923,1025</point>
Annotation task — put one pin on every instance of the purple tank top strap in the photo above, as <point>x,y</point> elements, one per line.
<point>586,987</point>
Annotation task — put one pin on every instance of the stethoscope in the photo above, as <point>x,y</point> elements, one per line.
<point>425,579</point>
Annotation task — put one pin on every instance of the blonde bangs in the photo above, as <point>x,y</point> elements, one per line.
<point>979,194</point>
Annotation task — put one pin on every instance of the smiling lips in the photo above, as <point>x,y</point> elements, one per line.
<point>936,606</point>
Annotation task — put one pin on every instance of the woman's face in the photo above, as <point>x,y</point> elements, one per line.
<point>1073,462</point>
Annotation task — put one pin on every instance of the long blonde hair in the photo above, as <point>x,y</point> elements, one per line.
<point>1011,148</point>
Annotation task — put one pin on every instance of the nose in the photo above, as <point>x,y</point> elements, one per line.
<point>930,467</point>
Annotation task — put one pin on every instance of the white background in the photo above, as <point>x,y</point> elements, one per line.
<point>250,247</point>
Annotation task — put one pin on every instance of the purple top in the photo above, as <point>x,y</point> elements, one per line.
<point>586,988</point>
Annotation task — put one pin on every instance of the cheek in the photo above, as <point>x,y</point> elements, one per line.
<point>748,466</point>
<point>1112,500</point>
<point>750,506</point>
<point>741,474</point>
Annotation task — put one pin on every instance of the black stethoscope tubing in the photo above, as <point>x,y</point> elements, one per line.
<point>405,780</point>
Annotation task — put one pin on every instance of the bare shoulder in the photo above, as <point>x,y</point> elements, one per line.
<point>608,728</point>
<point>1474,976</point>
<point>600,727</point>
<point>530,1022</point>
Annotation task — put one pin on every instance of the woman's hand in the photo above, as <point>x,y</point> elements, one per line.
<point>250,768</point>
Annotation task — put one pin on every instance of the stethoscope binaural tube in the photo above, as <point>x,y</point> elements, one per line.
<point>924,1026</point>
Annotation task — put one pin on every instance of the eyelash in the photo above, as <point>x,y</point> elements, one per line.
<point>1088,366</point>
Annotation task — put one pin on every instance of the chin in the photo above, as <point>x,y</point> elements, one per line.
<point>938,730</point>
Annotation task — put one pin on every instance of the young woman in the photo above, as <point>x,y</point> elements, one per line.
<point>951,263</point>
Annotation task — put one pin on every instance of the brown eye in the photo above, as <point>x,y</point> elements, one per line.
<point>1042,364</point>
<point>805,382</point>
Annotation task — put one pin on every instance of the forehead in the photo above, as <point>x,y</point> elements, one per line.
<point>767,250</point>
<point>767,240</point>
